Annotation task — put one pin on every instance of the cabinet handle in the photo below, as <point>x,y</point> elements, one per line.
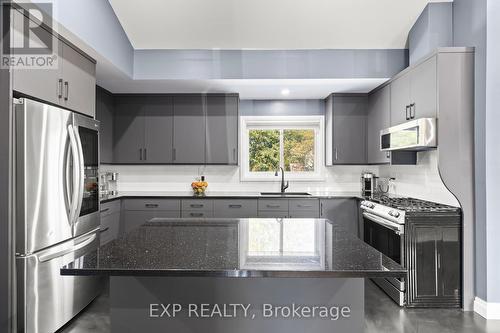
<point>151,205</point>
<point>196,214</point>
<point>439,260</point>
<point>66,90</point>
<point>412,114</point>
<point>104,210</point>
<point>140,154</point>
<point>321,209</point>
<point>60,88</point>
<point>304,206</point>
<point>145,154</point>
<point>336,154</point>
<point>174,155</point>
<point>273,206</point>
<point>234,154</point>
<point>407,115</point>
<point>104,230</point>
<point>196,205</point>
<point>235,206</point>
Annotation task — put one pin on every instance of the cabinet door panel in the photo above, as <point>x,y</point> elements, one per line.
<point>449,262</point>
<point>379,117</point>
<point>349,129</point>
<point>426,247</point>
<point>424,90</point>
<point>343,211</point>
<point>79,81</point>
<point>105,114</point>
<point>128,128</point>
<point>39,83</point>
<point>400,99</point>
<point>189,130</point>
<point>233,208</point>
<point>158,129</point>
<point>110,226</point>
<point>222,130</point>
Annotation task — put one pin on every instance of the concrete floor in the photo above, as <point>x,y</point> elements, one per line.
<point>382,315</point>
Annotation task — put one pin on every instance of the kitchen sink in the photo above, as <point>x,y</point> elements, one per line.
<point>285,193</point>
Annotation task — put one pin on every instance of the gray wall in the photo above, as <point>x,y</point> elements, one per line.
<point>433,29</point>
<point>268,64</point>
<point>469,29</point>
<point>310,107</point>
<point>492,151</point>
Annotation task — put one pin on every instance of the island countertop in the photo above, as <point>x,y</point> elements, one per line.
<point>237,248</point>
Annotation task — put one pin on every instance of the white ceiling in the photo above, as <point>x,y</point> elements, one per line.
<point>268,24</point>
<point>249,89</point>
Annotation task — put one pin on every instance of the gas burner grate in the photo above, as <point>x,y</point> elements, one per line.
<point>414,205</point>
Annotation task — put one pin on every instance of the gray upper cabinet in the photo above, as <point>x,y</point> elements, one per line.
<point>129,128</point>
<point>158,120</point>
<point>70,85</point>
<point>79,81</point>
<point>346,129</point>
<point>414,94</point>
<point>378,118</point>
<point>189,129</point>
<point>222,129</point>
<point>104,113</point>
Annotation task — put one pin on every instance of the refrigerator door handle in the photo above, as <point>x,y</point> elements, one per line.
<point>76,174</point>
<point>64,251</point>
<point>81,175</point>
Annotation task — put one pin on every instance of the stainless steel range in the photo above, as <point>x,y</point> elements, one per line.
<point>385,221</point>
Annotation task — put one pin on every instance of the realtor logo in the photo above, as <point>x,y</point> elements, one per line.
<point>28,42</point>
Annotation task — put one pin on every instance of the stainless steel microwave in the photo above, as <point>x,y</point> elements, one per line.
<point>415,135</point>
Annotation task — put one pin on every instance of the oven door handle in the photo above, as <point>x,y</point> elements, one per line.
<point>399,229</point>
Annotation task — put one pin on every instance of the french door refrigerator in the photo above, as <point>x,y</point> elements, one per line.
<point>57,212</point>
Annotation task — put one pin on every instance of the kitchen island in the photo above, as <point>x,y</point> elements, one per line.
<point>245,275</point>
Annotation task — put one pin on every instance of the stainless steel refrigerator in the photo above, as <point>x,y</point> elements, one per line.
<point>57,212</point>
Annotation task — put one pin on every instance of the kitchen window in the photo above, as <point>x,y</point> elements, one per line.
<point>293,143</point>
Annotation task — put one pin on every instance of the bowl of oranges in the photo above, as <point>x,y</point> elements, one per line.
<point>199,186</point>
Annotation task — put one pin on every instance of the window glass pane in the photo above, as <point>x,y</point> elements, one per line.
<point>299,238</point>
<point>299,150</point>
<point>264,150</point>
<point>263,237</point>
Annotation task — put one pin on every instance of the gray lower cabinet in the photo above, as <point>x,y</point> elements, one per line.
<point>139,211</point>
<point>303,208</point>
<point>343,211</point>
<point>71,84</point>
<point>273,208</point>
<point>345,129</point>
<point>235,208</point>
<point>197,208</point>
<point>110,221</point>
<point>378,118</point>
<point>189,129</point>
<point>435,260</point>
<point>105,113</point>
<point>222,129</point>
<point>128,130</point>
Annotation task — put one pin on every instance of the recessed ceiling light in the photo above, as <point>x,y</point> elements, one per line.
<point>285,92</point>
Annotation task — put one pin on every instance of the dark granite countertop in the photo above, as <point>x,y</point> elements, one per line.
<point>237,248</point>
<point>225,195</point>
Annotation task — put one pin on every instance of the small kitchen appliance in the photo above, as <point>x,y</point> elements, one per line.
<point>368,184</point>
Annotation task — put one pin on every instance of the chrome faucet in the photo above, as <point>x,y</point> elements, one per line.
<point>283,186</point>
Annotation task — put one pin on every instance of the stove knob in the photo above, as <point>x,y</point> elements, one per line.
<point>396,214</point>
<point>391,212</point>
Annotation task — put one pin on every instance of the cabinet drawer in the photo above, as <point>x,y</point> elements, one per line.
<point>135,218</point>
<point>304,214</point>
<point>109,208</point>
<point>235,208</point>
<point>198,204</point>
<point>197,214</point>
<point>273,205</point>
<point>151,204</point>
<point>273,214</point>
<point>304,204</point>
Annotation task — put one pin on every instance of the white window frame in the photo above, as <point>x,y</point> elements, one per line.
<point>248,123</point>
